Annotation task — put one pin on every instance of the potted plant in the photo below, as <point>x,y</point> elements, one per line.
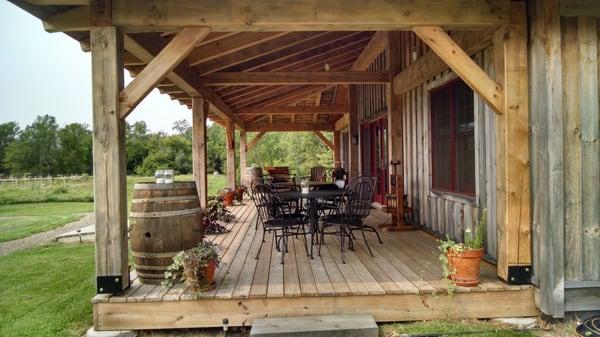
<point>195,266</point>
<point>227,194</point>
<point>461,261</point>
<point>214,212</point>
<point>239,192</point>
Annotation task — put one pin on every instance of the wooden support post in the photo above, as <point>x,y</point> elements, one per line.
<point>243,153</point>
<point>395,131</point>
<point>230,131</point>
<point>353,165</point>
<point>456,58</point>
<point>199,115</point>
<point>255,140</point>
<point>110,186</point>
<point>512,147</point>
<point>336,146</point>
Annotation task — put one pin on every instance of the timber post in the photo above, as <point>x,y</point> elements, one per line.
<point>243,156</point>
<point>336,146</point>
<point>110,185</point>
<point>230,132</point>
<point>199,115</point>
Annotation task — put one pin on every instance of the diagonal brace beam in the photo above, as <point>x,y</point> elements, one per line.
<point>255,140</point>
<point>326,141</point>
<point>460,62</point>
<point>168,58</point>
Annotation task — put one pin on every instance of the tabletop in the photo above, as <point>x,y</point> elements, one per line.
<point>310,194</point>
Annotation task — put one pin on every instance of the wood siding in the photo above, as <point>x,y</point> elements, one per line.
<point>565,156</point>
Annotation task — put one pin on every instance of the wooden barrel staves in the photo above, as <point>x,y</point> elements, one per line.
<point>165,219</point>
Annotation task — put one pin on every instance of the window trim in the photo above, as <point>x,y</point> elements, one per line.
<point>453,136</point>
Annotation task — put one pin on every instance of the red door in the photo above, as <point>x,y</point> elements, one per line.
<point>375,157</point>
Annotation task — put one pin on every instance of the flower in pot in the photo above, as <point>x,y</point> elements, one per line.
<point>461,261</point>
<point>195,266</point>
<point>227,194</point>
<point>214,212</point>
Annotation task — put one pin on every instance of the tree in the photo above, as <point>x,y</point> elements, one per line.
<point>183,128</point>
<point>75,149</point>
<point>8,134</point>
<point>216,148</point>
<point>35,151</point>
<point>138,144</point>
<point>172,152</point>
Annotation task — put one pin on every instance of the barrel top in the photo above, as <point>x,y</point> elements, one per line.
<point>170,186</point>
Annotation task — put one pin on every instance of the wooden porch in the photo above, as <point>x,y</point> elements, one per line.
<point>402,282</point>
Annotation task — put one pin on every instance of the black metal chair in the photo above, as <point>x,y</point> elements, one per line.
<point>356,207</point>
<point>318,173</point>
<point>280,217</point>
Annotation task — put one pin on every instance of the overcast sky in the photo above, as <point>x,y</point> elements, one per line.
<point>45,73</point>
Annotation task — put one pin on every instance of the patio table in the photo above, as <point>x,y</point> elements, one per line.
<point>312,196</point>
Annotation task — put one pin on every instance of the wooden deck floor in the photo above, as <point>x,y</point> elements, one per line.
<point>403,281</point>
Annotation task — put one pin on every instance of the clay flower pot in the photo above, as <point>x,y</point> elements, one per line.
<point>209,274</point>
<point>465,266</point>
<point>227,197</point>
<point>197,279</point>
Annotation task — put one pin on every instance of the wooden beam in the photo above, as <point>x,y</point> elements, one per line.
<point>278,126</point>
<point>110,186</point>
<point>199,161</point>
<point>59,2</point>
<point>291,15</point>
<point>235,42</point>
<point>296,78</point>
<point>324,139</point>
<point>337,145</point>
<point>429,65</point>
<point>159,67</point>
<point>230,133</point>
<point>284,110</point>
<point>375,46</point>
<point>255,140</point>
<point>342,123</point>
<point>462,65</point>
<point>354,127</point>
<point>243,155</point>
<point>512,150</point>
<point>182,76</point>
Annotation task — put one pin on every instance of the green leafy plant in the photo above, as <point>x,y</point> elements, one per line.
<point>192,263</point>
<point>472,241</point>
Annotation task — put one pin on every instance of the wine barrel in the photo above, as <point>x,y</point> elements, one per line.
<point>165,219</point>
<point>253,172</point>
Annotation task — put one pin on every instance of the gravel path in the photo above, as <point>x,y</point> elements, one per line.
<point>44,237</point>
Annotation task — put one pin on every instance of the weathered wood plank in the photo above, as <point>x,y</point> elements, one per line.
<point>110,198</point>
<point>199,161</point>
<point>294,77</point>
<point>230,133</point>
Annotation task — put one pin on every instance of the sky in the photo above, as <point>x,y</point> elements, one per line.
<point>48,73</point>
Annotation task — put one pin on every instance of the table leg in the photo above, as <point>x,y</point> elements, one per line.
<point>313,223</point>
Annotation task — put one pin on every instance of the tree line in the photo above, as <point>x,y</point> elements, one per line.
<point>45,148</point>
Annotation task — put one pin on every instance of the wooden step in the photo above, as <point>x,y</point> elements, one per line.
<point>316,326</point>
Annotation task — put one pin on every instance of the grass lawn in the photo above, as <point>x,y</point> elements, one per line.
<point>46,291</point>
<point>469,328</point>
<point>21,220</point>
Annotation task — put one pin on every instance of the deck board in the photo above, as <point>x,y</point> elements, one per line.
<point>406,264</point>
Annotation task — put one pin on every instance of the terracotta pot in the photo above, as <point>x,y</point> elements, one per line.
<point>209,273</point>
<point>465,266</point>
<point>227,198</point>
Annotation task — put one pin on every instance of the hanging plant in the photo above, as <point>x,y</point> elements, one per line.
<point>196,267</point>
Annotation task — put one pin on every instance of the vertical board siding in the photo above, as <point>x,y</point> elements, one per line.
<point>441,213</point>
<point>565,157</point>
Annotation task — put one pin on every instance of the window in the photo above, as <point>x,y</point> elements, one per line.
<point>453,138</point>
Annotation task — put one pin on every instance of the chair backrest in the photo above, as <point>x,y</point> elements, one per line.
<point>358,200</point>
<point>360,179</point>
<point>264,201</point>
<point>318,173</point>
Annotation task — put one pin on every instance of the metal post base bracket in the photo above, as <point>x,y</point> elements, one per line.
<point>519,274</point>
<point>109,284</point>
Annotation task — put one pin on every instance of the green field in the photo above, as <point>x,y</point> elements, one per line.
<point>21,220</point>
<point>46,291</point>
<point>34,206</point>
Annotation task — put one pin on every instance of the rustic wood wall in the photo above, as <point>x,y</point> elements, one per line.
<point>565,155</point>
<point>371,98</point>
<point>444,213</point>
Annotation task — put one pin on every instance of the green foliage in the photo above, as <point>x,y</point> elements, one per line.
<point>216,150</point>
<point>35,151</point>
<point>22,220</point>
<point>75,149</point>
<point>46,291</point>
<point>191,262</point>
<point>171,152</point>
<point>454,328</point>
<point>8,134</point>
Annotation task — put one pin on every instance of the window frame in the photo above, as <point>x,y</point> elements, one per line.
<point>454,134</point>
